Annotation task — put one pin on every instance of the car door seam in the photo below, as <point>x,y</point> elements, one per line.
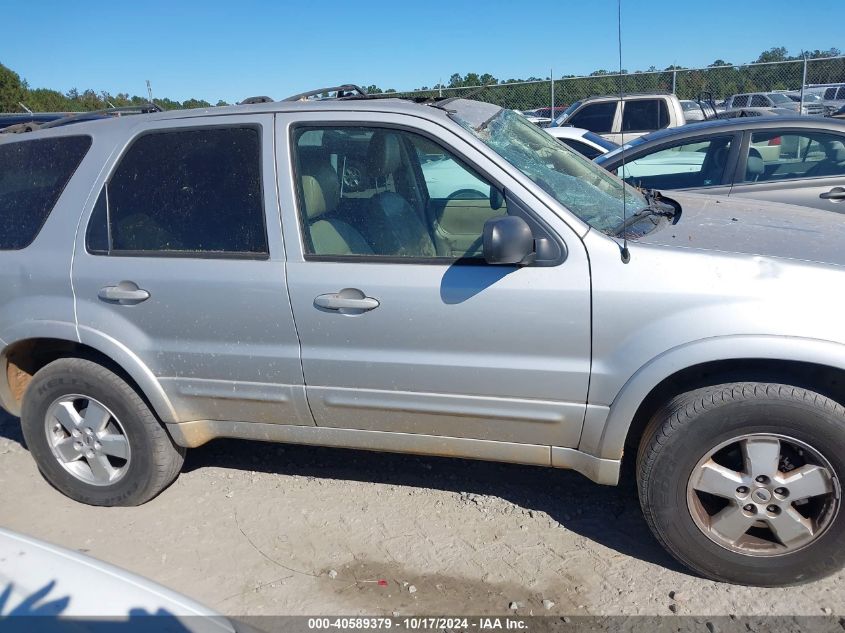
<point>276,176</point>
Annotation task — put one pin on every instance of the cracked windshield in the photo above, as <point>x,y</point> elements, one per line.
<point>591,193</point>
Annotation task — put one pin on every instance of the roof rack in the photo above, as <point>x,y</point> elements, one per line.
<point>340,93</point>
<point>144,108</point>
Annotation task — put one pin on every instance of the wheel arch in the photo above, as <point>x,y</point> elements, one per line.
<point>809,363</point>
<point>24,355</point>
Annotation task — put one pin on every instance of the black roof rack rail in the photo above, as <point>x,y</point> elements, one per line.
<point>339,90</point>
<point>259,99</point>
<point>144,108</point>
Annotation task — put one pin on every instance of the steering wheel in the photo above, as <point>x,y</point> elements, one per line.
<point>468,194</point>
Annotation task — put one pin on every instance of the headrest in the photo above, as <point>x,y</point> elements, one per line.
<point>754,166</point>
<point>383,154</point>
<point>320,189</point>
<point>835,151</point>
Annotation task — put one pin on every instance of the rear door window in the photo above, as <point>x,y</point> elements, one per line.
<point>775,155</point>
<point>33,175</point>
<point>759,101</point>
<point>596,117</point>
<point>184,192</point>
<point>645,115</point>
<point>739,101</point>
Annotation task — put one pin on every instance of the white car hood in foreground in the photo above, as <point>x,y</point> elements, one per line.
<point>37,578</point>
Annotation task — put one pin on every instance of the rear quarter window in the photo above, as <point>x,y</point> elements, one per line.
<point>33,174</point>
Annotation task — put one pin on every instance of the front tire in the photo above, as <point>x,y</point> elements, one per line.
<point>94,438</point>
<point>741,482</point>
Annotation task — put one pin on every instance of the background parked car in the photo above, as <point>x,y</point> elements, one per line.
<point>693,111</point>
<point>535,118</point>
<point>735,113</point>
<point>640,114</point>
<point>545,115</point>
<point>833,98</point>
<point>798,160</point>
<point>582,141</point>
<point>772,100</point>
<point>809,97</point>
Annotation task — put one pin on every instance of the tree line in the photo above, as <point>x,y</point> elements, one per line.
<point>721,78</point>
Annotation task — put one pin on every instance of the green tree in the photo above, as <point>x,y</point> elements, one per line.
<point>12,90</point>
<point>776,54</point>
<point>195,103</point>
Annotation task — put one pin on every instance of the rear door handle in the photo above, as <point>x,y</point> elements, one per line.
<point>124,293</point>
<point>837,193</point>
<point>347,301</point>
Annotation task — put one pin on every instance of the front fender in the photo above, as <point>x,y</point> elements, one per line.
<point>608,440</point>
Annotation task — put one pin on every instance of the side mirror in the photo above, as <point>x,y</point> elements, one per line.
<point>508,240</point>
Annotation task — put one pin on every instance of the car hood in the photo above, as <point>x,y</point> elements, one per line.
<point>37,578</point>
<point>753,227</point>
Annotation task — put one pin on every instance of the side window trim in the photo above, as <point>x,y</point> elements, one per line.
<point>533,219</point>
<point>175,254</point>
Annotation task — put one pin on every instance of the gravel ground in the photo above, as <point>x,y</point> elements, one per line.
<point>253,529</point>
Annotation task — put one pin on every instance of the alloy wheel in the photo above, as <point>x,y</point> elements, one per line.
<point>763,494</point>
<point>87,439</point>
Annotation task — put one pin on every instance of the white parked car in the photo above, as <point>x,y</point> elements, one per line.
<point>37,578</point>
<point>582,141</point>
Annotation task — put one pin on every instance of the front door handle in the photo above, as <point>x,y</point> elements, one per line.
<point>124,293</point>
<point>347,301</point>
<point>837,193</point>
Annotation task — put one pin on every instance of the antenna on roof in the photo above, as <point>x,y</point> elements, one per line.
<point>24,107</point>
<point>149,91</point>
<point>626,254</point>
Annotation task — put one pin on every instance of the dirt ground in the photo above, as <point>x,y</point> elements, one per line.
<point>253,529</point>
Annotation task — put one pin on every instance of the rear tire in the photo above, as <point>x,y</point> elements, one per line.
<point>94,438</point>
<point>707,497</point>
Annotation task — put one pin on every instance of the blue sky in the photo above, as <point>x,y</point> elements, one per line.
<point>229,50</point>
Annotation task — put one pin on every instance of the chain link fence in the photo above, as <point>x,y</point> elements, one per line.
<point>689,83</point>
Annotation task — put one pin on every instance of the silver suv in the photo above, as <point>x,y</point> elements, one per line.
<point>440,278</point>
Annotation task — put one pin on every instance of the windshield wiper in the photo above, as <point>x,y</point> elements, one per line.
<point>654,208</point>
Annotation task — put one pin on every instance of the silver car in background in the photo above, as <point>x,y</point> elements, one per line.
<point>171,278</point>
<point>796,160</point>
<point>773,100</point>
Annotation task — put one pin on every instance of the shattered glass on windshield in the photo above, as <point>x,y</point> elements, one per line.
<point>591,193</point>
